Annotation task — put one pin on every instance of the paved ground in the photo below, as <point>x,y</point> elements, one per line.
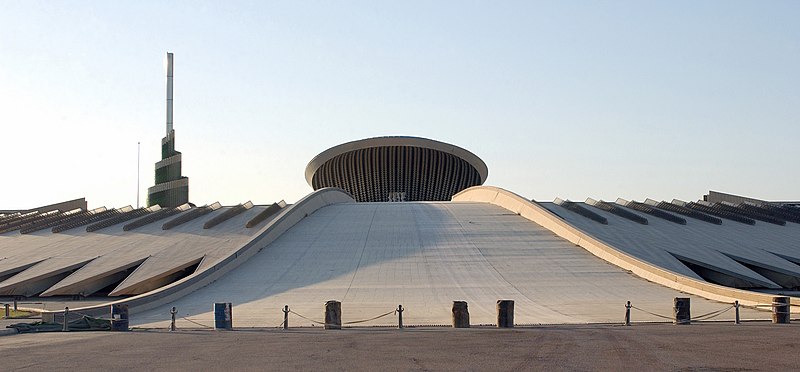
<point>697,347</point>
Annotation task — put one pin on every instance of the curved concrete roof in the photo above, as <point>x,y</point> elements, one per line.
<point>654,255</point>
<point>424,255</point>
<point>332,152</point>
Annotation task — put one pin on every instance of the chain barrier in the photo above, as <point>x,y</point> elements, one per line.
<point>654,314</point>
<point>717,313</point>
<point>367,320</point>
<point>763,307</point>
<point>192,321</point>
<point>90,316</point>
<point>309,319</point>
<point>711,315</point>
<point>343,323</point>
<point>699,318</point>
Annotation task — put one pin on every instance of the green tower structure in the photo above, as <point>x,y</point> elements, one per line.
<point>171,189</point>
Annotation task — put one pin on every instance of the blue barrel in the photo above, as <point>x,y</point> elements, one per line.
<point>119,317</point>
<point>223,315</point>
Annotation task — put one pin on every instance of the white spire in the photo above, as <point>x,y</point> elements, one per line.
<point>169,93</point>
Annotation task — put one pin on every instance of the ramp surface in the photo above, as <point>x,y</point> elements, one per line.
<point>424,255</point>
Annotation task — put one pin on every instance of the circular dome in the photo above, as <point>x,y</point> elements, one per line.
<point>397,169</point>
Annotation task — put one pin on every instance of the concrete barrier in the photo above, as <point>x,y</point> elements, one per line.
<point>505,313</point>
<point>333,315</point>
<point>460,314</point>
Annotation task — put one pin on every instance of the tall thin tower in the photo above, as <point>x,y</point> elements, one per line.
<point>171,188</point>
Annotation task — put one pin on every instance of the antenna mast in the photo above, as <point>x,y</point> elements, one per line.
<point>138,162</point>
<point>169,93</point>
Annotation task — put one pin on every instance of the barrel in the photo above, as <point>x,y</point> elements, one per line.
<point>119,317</point>
<point>682,311</point>
<point>780,310</point>
<point>223,315</point>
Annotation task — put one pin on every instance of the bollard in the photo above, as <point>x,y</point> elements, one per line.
<point>736,307</point>
<point>333,315</point>
<point>119,317</point>
<point>223,316</point>
<point>460,314</point>
<point>8,310</point>
<point>66,320</point>
<point>505,313</point>
<point>285,316</point>
<point>400,316</point>
<point>780,310</point>
<point>628,313</point>
<point>682,311</point>
<point>172,313</point>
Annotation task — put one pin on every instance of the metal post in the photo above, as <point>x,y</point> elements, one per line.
<point>736,307</point>
<point>628,313</point>
<point>8,310</point>
<point>400,316</point>
<point>285,316</point>
<point>15,304</point>
<point>66,320</point>
<point>172,312</point>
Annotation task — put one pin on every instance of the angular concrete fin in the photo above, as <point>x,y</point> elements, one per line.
<point>41,276</point>
<point>773,267</point>
<point>14,265</point>
<point>266,214</point>
<point>742,277</point>
<point>154,273</point>
<point>96,275</point>
<point>228,214</point>
<point>190,215</point>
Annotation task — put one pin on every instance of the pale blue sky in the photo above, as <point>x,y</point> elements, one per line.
<point>560,99</point>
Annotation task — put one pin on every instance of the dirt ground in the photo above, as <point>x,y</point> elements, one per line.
<point>696,347</point>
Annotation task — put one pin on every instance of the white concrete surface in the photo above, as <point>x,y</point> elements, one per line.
<point>720,247</point>
<point>77,262</point>
<point>424,255</point>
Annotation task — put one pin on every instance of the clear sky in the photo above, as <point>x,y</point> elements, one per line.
<point>568,99</point>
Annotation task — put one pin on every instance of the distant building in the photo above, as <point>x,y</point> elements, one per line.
<point>397,169</point>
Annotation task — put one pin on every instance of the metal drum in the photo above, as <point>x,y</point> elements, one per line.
<point>223,315</point>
